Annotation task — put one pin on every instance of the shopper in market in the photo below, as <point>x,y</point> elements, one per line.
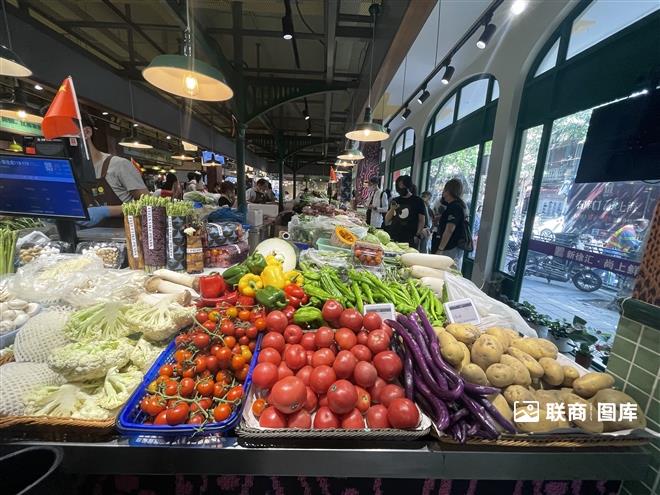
<point>451,230</point>
<point>425,238</point>
<point>377,203</point>
<point>171,188</point>
<point>117,181</point>
<point>258,192</point>
<point>227,194</point>
<point>406,218</point>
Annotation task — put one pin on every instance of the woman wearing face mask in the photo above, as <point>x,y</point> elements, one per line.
<point>406,217</point>
<point>450,229</point>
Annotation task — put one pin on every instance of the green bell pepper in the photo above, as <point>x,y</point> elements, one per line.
<point>255,263</point>
<point>233,274</point>
<point>271,298</point>
<point>308,316</point>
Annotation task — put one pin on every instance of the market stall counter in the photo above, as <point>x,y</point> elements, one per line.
<point>417,459</point>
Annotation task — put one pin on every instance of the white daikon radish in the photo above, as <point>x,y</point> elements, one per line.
<point>178,278</point>
<point>433,283</point>
<point>419,271</point>
<point>156,284</point>
<point>182,298</point>
<point>436,261</point>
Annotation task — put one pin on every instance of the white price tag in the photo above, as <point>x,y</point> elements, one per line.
<point>133,236</point>
<point>150,227</point>
<point>170,234</point>
<point>193,250</point>
<point>462,311</point>
<point>386,311</point>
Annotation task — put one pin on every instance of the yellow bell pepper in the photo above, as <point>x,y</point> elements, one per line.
<point>249,284</point>
<point>273,276</point>
<point>271,260</point>
<point>294,277</point>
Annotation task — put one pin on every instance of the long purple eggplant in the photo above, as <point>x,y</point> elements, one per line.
<point>497,416</point>
<point>416,352</point>
<point>479,413</point>
<point>461,413</point>
<point>474,389</point>
<point>440,412</point>
<point>408,380</point>
<point>435,345</point>
<point>436,369</point>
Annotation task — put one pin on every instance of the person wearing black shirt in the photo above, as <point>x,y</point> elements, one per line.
<point>450,228</point>
<point>227,192</point>
<point>406,217</point>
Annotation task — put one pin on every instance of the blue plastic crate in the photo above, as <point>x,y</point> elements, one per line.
<point>131,418</point>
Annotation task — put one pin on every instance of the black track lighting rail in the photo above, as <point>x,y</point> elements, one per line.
<point>480,23</point>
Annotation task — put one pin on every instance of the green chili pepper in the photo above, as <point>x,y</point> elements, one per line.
<point>313,291</point>
<point>255,263</point>
<point>233,275</point>
<point>308,316</point>
<point>367,292</point>
<point>271,298</point>
<point>358,297</point>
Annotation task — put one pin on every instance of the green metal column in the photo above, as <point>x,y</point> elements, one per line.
<point>239,104</point>
<point>281,181</point>
<point>240,168</point>
<point>295,169</point>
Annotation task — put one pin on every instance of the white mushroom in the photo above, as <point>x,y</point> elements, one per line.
<point>17,304</point>
<point>31,309</point>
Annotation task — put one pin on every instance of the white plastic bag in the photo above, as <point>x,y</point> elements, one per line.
<point>492,312</point>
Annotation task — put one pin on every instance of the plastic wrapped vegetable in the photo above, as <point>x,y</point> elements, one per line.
<point>104,321</point>
<point>80,361</point>
<point>40,335</point>
<point>144,354</point>
<point>18,379</point>
<point>160,322</point>
<point>118,387</point>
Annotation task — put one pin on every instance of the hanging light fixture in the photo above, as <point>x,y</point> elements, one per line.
<point>406,113</point>
<point>186,76</point>
<point>449,72</point>
<point>424,96</point>
<point>367,130</point>
<point>11,64</point>
<point>351,153</point>
<point>133,140</point>
<point>489,31</point>
<point>19,108</point>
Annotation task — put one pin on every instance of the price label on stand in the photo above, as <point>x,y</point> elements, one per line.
<point>386,311</point>
<point>462,311</point>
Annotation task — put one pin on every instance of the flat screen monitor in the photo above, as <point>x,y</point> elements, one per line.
<point>623,141</point>
<point>39,186</point>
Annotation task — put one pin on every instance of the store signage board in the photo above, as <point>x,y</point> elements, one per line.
<point>19,127</point>
<point>386,311</point>
<point>462,311</point>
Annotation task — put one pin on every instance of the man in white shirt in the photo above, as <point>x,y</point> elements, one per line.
<point>377,203</point>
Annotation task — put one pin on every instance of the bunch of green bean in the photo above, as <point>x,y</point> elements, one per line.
<point>7,246</point>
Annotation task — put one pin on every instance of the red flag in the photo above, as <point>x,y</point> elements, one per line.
<point>137,166</point>
<point>60,119</point>
<point>333,175</point>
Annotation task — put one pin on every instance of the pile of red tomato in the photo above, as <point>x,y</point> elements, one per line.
<point>211,362</point>
<point>343,378</point>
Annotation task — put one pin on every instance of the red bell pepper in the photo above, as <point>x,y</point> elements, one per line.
<point>288,312</point>
<point>245,301</point>
<point>212,286</point>
<point>227,300</point>
<point>295,295</point>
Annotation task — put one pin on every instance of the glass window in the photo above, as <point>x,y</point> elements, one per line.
<point>531,141</point>
<point>398,146</point>
<point>603,18</point>
<point>550,59</point>
<point>476,221</point>
<point>445,115</point>
<point>473,97</point>
<point>398,173</point>
<point>461,165</point>
<point>496,90</point>
<point>382,155</point>
<point>576,222</point>
<point>409,139</point>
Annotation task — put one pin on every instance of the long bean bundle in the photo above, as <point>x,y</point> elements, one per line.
<point>457,408</point>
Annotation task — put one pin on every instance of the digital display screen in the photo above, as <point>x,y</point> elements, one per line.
<point>40,187</point>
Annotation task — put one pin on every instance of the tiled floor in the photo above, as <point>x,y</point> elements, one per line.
<point>563,300</point>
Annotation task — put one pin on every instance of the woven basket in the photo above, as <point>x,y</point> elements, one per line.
<point>563,441</point>
<point>250,433</point>
<point>56,429</point>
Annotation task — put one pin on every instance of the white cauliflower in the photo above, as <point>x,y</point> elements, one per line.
<point>18,379</point>
<point>103,321</point>
<point>66,401</point>
<point>91,410</point>
<point>88,361</point>
<point>159,322</point>
<point>144,354</point>
<point>118,387</point>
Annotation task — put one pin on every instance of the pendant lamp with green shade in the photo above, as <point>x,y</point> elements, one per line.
<point>185,76</point>
<point>11,64</point>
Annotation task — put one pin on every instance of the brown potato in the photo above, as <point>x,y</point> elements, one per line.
<point>500,375</point>
<point>570,375</point>
<point>532,365</point>
<point>617,398</point>
<point>516,393</point>
<point>501,334</point>
<point>502,406</point>
<point>463,332</point>
<point>553,374</point>
<point>521,373</point>
<point>590,422</point>
<point>474,374</point>
<point>466,355</point>
<point>535,347</point>
<point>450,349</point>
<point>588,385</point>
<point>486,350</point>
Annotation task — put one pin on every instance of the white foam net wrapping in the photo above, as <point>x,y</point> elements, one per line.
<point>17,379</point>
<point>41,334</point>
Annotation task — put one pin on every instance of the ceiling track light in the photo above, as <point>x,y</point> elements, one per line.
<point>406,113</point>
<point>424,96</point>
<point>305,114</point>
<point>449,72</point>
<point>518,6</point>
<point>489,31</point>
<point>287,22</point>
